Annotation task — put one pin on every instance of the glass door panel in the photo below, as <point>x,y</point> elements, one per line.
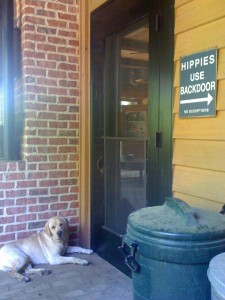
<point>126,119</point>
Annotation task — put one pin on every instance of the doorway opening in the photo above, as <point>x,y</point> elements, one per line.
<point>131,116</point>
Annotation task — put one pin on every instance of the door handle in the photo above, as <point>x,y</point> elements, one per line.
<point>100,165</point>
<point>158,139</point>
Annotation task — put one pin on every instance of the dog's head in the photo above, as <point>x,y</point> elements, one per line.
<point>57,228</point>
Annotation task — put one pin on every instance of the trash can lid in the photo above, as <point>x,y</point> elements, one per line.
<point>177,219</point>
<point>216,274</point>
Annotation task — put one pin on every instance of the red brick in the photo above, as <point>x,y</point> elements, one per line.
<point>37,141</point>
<point>34,20</point>
<point>59,190</point>
<point>33,54</point>
<point>68,198</point>
<point>36,123</point>
<point>15,210</point>
<point>69,181</point>
<point>38,208</point>
<point>46,215</point>
<point>6,203</point>
<point>57,91</point>
<point>47,149</point>
<point>58,124</point>
<point>59,157</point>
<point>46,47</point>
<point>34,3</point>
<point>47,115</point>
<point>35,36</point>
<point>48,183</point>
<point>58,174</point>
<point>34,88</point>
<point>66,166</point>
<point>37,175</point>
<point>56,57</point>
<point>7,237</point>
<point>26,201</point>
<point>22,235</point>
<point>48,199</point>
<point>35,225</point>
<point>15,176</point>
<point>46,13</point>
<point>56,23</point>
<point>56,6</point>
<point>37,158</point>
<point>68,213</point>
<point>13,228</point>
<point>26,184</point>
<point>48,82</point>
<point>3,166</point>
<point>47,166</point>
<point>66,17</point>
<point>67,149</point>
<point>36,106</point>
<point>59,206</point>
<point>7,185</point>
<point>58,107</point>
<point>58,141</point>
<point>47,132</point>
<point>37,192</point>
<point>26,217</point>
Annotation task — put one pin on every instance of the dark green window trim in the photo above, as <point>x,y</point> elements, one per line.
<point>9,149</point>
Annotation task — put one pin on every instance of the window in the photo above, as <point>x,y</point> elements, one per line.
<point>10,82</point>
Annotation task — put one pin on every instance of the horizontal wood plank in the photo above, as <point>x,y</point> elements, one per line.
<point>96,3</point>
<point>200,154</point>
<point>199,12</point>
<point>204,184</point>
<point>200,202</point>
<point>210,35</point>
<point>207,128</point>
<point>181,2</point>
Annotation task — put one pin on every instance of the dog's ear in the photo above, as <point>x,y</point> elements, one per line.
<point>66,222</point>
<point>47,229</point>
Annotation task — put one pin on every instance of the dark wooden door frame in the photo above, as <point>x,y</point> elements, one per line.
<point>103,22</point>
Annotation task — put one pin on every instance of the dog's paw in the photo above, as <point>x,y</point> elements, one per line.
<point>46,272</point>
<point>81,262</point>
<point>25,279</point>
<point>89,251</point>
<point>85,262</point>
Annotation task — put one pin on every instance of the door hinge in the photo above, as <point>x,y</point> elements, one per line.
<point>158,139</point>
<point>157,22</point>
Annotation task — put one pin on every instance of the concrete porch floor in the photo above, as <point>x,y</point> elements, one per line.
<point>97,281</point>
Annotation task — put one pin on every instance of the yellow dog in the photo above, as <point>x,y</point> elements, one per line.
<point>48,246</point>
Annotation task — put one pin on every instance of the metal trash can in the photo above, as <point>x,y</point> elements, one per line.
<point>216,275</point>
<point>168,249</point>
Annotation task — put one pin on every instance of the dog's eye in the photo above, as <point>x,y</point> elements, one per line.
<point>53,227</point>
<point>61,224</point>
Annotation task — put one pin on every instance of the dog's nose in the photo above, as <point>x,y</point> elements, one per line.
<point>59,233</point>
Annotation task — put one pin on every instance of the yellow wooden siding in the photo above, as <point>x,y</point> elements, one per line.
<point>96,3</point>
<point>200,183</point>
<point>181,2</point>
<point>204,37</point>
<point>212,128</point>
<point>199,143</point>
<point>200,202</point>
<point>200,154</point>
<point>199,12</point>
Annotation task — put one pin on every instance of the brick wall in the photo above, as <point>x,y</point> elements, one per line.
<point>46,181</point>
